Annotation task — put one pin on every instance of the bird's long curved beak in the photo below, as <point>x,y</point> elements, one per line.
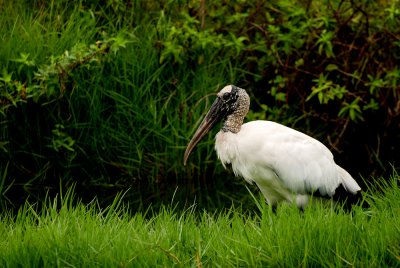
<point>210,120</point>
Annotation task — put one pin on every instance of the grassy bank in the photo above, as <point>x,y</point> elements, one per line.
<point>63,234</point>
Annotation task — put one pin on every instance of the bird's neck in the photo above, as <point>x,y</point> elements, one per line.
<point>233,123</point>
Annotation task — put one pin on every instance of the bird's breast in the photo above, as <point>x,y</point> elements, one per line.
<point>230,151</point>
<point>226,146</point>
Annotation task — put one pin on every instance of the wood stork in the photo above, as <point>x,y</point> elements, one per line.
<point>285,164</point>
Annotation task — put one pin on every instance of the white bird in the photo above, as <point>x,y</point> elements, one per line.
<point>286,165</point>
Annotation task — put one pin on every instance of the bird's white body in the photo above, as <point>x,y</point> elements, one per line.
<point>286,165</point>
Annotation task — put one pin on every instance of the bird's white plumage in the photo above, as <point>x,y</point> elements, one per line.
<point>285,164</point>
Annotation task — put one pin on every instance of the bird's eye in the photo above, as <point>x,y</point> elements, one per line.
<point>226,96</point>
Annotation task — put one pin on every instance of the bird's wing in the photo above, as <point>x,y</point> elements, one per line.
<point>302,164</point>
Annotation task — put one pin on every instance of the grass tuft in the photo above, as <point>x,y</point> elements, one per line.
<point>65,232</point>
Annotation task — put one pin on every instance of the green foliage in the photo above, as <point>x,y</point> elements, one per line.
<point>326,90</point>
<point>188,42</point>
<point>51,80</point>
<point>65,232</point>
<point>337,42</point>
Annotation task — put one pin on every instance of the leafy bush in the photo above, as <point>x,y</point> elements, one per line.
<point>328,68</point>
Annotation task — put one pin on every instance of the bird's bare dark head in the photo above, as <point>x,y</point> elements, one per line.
<point>228,97</point>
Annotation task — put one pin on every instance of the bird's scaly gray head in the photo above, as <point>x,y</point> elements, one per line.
<point>231,105</point>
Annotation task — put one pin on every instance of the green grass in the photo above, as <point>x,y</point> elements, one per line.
<point>64,234</point>
<point>124,119</point>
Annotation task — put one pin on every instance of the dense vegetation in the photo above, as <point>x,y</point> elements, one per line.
<point>105,96</point>
<point>67,235</point>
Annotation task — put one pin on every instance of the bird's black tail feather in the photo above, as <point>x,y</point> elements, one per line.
<point>347,199</point>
